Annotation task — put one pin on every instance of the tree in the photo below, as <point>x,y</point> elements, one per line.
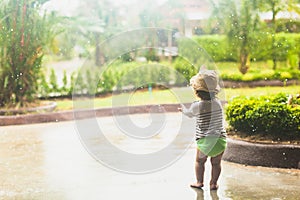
<point>240,23</point>
<point>24,34</point>
<point>275,7</point>
<point>96,21</point>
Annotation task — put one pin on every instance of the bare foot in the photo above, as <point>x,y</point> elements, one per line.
<point>197,185</point>
<point>214,186</point>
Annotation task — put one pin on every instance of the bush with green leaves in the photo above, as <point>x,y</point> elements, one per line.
<point>260,73</point>
<point>217,47</point>
<point>266,115</point>
<point>185,71</point>
<point>25,31</point>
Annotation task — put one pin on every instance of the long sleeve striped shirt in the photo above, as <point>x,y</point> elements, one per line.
<point>209,118</point>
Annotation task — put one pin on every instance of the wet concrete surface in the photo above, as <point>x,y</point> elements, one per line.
<point>49,161</point>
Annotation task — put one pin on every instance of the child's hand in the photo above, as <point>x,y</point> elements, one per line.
<point>180,109</point>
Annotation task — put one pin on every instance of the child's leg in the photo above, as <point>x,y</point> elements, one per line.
<point>199,169</point>
<point>216,170</point>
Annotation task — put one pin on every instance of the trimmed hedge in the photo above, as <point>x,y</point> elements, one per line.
<point>117,76</point>
<point>267,115</point>
<point>253,75</point>
<point>217,47</point>
<point>185,71</point>
<point>122,76</point>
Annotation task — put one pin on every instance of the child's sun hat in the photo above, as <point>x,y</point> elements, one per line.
<point>206,80</point>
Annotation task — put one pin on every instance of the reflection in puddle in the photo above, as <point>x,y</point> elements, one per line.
<point>162,134</point>
<point>261,182</point>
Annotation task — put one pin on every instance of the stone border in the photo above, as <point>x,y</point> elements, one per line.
<point>83,114</point>
<point>48,107</point>
<point>268,155</point>
<point>247,153</point>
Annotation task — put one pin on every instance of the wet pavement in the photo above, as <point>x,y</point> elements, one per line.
<point>48,161</point>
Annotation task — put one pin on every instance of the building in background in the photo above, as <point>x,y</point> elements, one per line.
<point>188,17</point>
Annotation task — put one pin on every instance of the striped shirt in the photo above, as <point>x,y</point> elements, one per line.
<point>209,118</point>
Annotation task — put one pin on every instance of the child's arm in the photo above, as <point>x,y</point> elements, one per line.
<point>192,111</point>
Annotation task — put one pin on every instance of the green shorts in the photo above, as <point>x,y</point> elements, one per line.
<point>212,146</point>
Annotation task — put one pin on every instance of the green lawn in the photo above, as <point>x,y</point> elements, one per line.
<point>254,66</point>
<point>174,95</point>
<point>257,71</point>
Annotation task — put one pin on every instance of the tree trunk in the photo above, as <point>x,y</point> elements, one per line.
<point>274,52</point>
<point>170,45</point>
<point>274,13</point>
<point>97,51</point>
<point>243,68</point>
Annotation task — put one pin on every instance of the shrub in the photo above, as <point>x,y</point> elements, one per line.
<point>107,81</point>
<point>43,86</point>
<point>295,73</point>
<point>185,71</point>
<point>64,88</point>
<point>270,115</point>
<point>285,76</point>
<point>25,31</point>
<point>53,82</point>
<point>217,48</point>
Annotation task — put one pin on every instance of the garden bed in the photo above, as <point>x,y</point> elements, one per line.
<point>259,83</point>
<point>264,131</point>
<point>262,154</point>
<point>263,138</point>
<point>43,107</point>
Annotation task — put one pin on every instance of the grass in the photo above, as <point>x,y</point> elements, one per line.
<point>258,71</point>
<point>254,66</point>
<point>174,95</point>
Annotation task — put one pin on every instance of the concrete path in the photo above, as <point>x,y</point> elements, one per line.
<point>48,161</point>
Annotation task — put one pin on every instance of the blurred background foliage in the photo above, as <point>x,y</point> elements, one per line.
<point>243,46</point>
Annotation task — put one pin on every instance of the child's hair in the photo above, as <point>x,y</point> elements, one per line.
<point>205,95</point>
